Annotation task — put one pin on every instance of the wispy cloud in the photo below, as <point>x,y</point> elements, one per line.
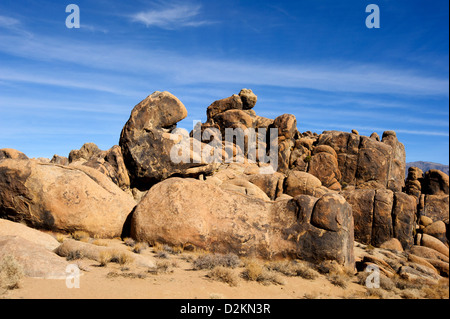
<point>171,16</point>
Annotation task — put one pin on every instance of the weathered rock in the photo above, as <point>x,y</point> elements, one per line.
<point>109,163</point>
<point>248,98</point>
<point>404,218</point>
<point>302,183</point>
<point>286,125</point>
<point>9,228</point>
<point>245,187</point>
<point>147,144</point>
<point>223,221</point>
<point>435,182</point>
<point>62,198</point>
<point>36,260</point>
<point>94,252</point>
<point>271,184</point>
<point>436,207</point>
<point>428,253</point>
<point>375,136</point>
<point>233,102</point>
<point>362,201</point>
<point>60,160</point>
<point>325,167</point>
<point>330,211</point>
<point>392,244</point>
<point>366,162</point>
<point>434,243</point>
<point>397,161</point>
<point>382,227</point>
<point>437,230</point>
<point>12,154</point>
<point>355,132</point>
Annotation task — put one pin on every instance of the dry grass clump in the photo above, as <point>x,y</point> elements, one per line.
<point>225,275</point>
<point>80,236</point>
<point>162,267</point>
<point>115,256</point>
<point>75,255</point>
<point>11,272</point>
<point>293,268</point>
<point>129,242</point>
<point>60,237</point>
<point>139,247</point>
<point>210,261</point>
<point>255,271</point>
<point>439,291</point>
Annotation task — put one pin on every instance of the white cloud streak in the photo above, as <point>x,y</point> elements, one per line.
<point>171,16</point>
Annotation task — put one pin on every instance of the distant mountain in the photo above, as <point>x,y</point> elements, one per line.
<point>426,166</point>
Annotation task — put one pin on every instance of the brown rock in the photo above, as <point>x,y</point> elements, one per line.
<point>437,230</point>
<point>233,102</point>
<point>434,243</point>
<point>436,207</point>
<point>404,217</point>
<point>286,125</point>
<point>60,160</point>
<point>325,167</point>
<point>62,198</point>
<point>9,228</point>
<point>435,182</point>
<point>382,227</point>
<point>330,211</point>
<point>392,244</point>
<point>147,144</point>
<point>223,221</point>
<point>248,98</point>
<point>36,260</point>
<point>302,183</point>
<point>271,184</point>
<point>12,154</point>
<point>428,253</point>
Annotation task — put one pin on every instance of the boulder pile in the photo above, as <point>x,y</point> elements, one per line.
<point>277,194</point>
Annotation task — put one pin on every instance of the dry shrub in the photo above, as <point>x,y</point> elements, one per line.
<point>80,236</point>
<point>140,247</point>
<point>105,257</point>
<point>162,267</point>
<point>11,272</point>
<point>438,291</point>
<point>293,268</point>
<point>121,257</point>
<point>210,261</point>
<point>255,271</point>
<point>339,280</point>
<point>129,242</point>
<point>225,275</point>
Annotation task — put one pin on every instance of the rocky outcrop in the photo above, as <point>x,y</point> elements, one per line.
<point>381,214</point>
<point>62,198</point>
<point>109,163</point>
<point>11,154</point>
<point>146,142</point>
<point>224,221</point>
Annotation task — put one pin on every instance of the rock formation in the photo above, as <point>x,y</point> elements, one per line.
<point>326,191</point>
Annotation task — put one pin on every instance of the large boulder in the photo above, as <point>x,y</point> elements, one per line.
<point>12,154</point>
<point>436,207</point>
<point>435,182</point>
<point>9,228</point>
<point>187,211</point>
<point>35,260</point>
<point>302,183</point>
<point>62,198</point>
<point>146,142</point>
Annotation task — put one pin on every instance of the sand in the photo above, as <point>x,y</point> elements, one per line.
<point>183,282</point>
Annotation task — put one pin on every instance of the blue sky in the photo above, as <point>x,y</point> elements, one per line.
<point>316,59</point>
